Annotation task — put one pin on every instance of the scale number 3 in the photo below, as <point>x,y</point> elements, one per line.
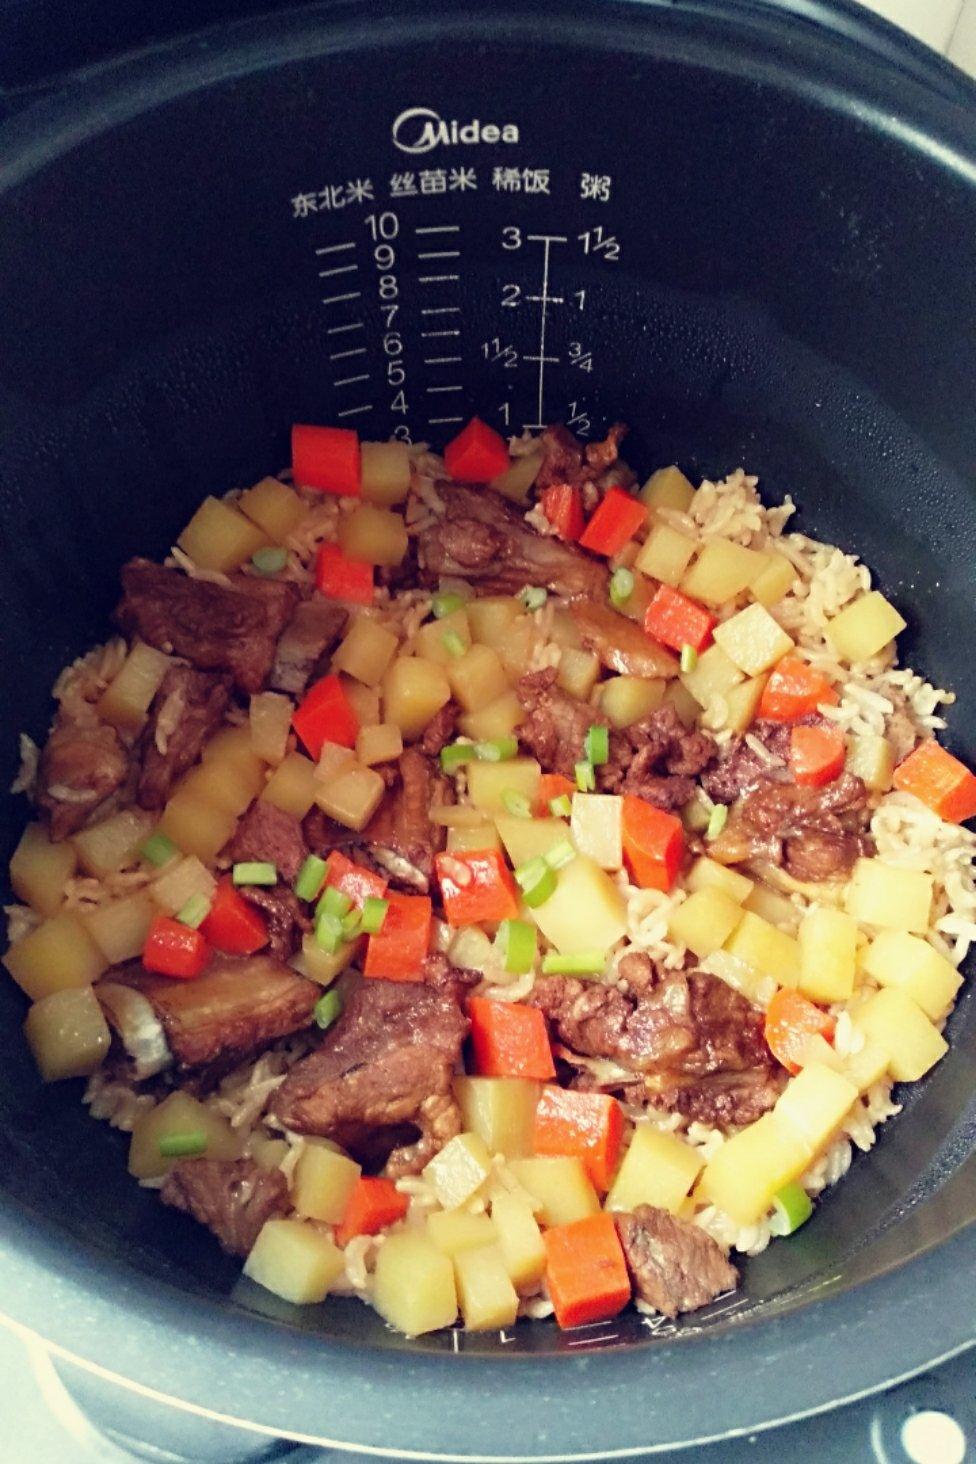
<point>511,237</point>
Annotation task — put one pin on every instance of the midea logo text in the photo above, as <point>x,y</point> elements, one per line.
<point>420,129</point>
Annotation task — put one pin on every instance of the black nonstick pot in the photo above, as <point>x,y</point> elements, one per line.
<point>749,229</point>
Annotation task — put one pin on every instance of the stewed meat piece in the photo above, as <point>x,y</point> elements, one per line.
<point>79,769</point>
<point>439,731</point>
<point>566,460</point>
<point>400,837</point>
<point>620,643</point>
<point>675,1266</point>
<point>267,834</point>
<point>556,723</point>
<point>657,759</point>
<point>815,834</point>
<point>188,706</point>
<point>744,766</point>
<point>305,645</point>
<point>232,1197</point>
<point>286,919</point>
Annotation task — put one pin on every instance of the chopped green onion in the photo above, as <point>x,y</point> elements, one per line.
<point>579,963</point>
<point>533,597</point>
<point>621,587</point>
<point>453,644</point>
<point>516,941</point>
<point>793,1208</point>
<point>194,912</point>
<point>597,745</point>
<point>374,913</point>
<point>689,658</point>
<point>560,855</point>
<point>158,850</point>
<point>516,803</point>
<point>310,877</point>
<point>585,780</point>
<point>327,1008</point>
<point>352,924</point>
<point>445,603</point>
<point>716,821</point>
<point>269,561</point>
<point>500,749</point>
<point>537,881</point>
<point>329,934</point>
<point>182,1146</point>
<point>333,902</point>
<point>255,873</point>
<point>562,806</point>
<point>454,754</point>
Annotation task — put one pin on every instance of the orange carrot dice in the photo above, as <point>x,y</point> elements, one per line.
<point>477,454</point>
<point>354,881</point>
<point>816,755</point>
<point>616,520</point>
<point>678,621</point>
<point>397,952</point>
<point>794,690</point>
<point>654,844</point>
<point>586,1271</point>
<point>552,785</point>
<point>509,1040</point>
<point>326,458</point>
<point>476,887</point>
<point>562,504</point>
<point>586,1126</point>
<point>791,1021</point>
<point>325,715</point>
<point>372,1206</point>
<point>938,780</point>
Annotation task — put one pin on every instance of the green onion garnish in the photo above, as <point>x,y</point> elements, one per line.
<point>621,587</point>
<point>579,963</point>
<point>560,855</point>
<point>333,902</point>
<point>256,872</point>
<point>516,942</point>
<point>562,806</point>
<point>269,561</point>
<point>453,644</point>
<point>182,1146</point>
<point>533,597</point>
<point>537,881</point>
<point>194,912</point>
<point>454,754</point>
<point>374,913</point>
<point>327,1008</point>
<point>516,803</point>
<point>310,877</point>
<point>716,821</point>
<point>352,924</point>
<point>445,603</point>
<point>329,934</point>
<point>158,850</point>
<point>793,1208</point>
<point>689,658</point>
<point>597,745</point>
<point>500,749</point>
<point>585,779</point>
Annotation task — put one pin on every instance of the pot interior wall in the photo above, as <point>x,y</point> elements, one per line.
<point>792,289</point>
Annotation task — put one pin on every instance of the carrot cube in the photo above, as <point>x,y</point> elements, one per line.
<point>476,887</point>
<point>654,844</point>
<point>397,951</point>
<point>587,1126</point>
<point>938,780</point>
<point>615,521</point>
<point>678,621</point>
<point>586,1270</point>
<point>816,755</point>
<point>372,1205</point>
<point>794,690</point>
<point>509,1040</point>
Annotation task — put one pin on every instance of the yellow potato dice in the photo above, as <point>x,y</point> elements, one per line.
<point>366,651</point>
<point>292,785</point>
<point>493,619</point>
<point>527,838</point>
<point>322,1182</point>
<point>295,1261</point>
<point>378,744</point>
<point>892,1021</point>
<point>897,959</point>
<point>586,912</point>
<point>224,783</point>
<point>501,1111</point>
<point>374,535</point>
<point>125,701</point>
<point>741,705</point>
<point>665,554</point>
<point>267,1153</point>
<point>364,700</point>
<point>560,1184</point>
<point>454,1231</point>
<point>706,874</point>
<point>597,828</point>
<point>498,719</point>
<point>828,954</point>
<point>626,699</point>
<point>119,928</point>
<point>519,1237</point>
<point>385,472</point>
<point>274,507</point>
<point>39,870</point>
<point>459,1170</point>
<point>864,627</point>
<point>765,948</point>
<point>471,838</point>
<point>219,537</point>
<point>107,846</point>
<point>516,480</point>
<point>488,782</point>
<point>873,760</point>
<point>721,571</point>
<point>705,921</point>
<point>353,797</point>
<point>774,907</point>
<point>658,1169</point>
<point>179,1114</point>
<point>179,882</point>
<point>414,690</point>
<point>434,639</point>
<point>488,1299</point>
<point>196,826</point>
<point>775,579</point>
<point>713,675</point>
<point>668,488</point>
<point>753,640</point>
<point>59,955</point>
<point>67,1034</point>
<point>753,1166</point>
<point>896,899</point>
<point>815,1102</point>
<point>753,984</point>
<point>322,966</point>
<point>679,697</point>
<point>413,1286</point>
<point>477,678</point>
<point>578,671</point>
<point>866,1067</point>
<point>233,745</point>
<point>269,722</point>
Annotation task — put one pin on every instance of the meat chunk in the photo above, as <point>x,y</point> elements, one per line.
<point>565,460</point>
<point>232,1197</point>
<point>556,725</point>
<point>267,834</point>
<point>439,731</point>
<point>620,643</point>
<point>438,972</point>
<point>79,769</point>
<point>483,539</point>
<point>237,1007</point>
<point>657,759</point>
<point>305,645</point>
<point>400,837</point>
<point>380,1083</point>
<point>815,834</point>
<point>185,710</point>
<point>743,768</point>
<point>675,1266</point>
<point>232,628</point>
<point>287,921</point>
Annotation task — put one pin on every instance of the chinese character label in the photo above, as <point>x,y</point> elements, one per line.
<point>460,180</point>
<point>595,186</point>
<point>332,198</point>
<point>433,180</point>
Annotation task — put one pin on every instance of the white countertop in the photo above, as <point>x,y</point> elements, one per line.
<point>948,25</point>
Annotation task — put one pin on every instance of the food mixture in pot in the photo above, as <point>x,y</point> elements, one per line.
<point>490,887</point>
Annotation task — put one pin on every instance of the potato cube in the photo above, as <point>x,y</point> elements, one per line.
<point>705,921</point>
<point>882,894</point>
<point>713,675</point>
<point>866,1067</point>
<point>741,705</point>
<point>374,535</point>
<point>459,1170</point>
<point>488,1299</point>
<point>179,882</point>
<point>364,700</point>
<point>493,618</point>
<point>873,760</point>
<point>59,955</point>
<point>196,826</point>
<point>577,674</point>
<point>753,640</point>
<point>897,959</point>
<point>125,701</point>
<point>864,627</point>
<point>516,654</point>
<point>626,699</point>
<point>269,721</point>
<point>668,488</point>
<point>469,838</point>
<point>778,909</point>
<point>742,977</point>
<point>498,719</point>
<point>501,1111</point>
<point>892,1021</point>
<point>119,929</point>
<point>323,1181</point>
<point>179,1115</point>
<point>107,846</point>
<point>766,949</point>
<point>516,480</point>
<point>413,1285</point>
<point>267,1153</point>
<point>454,1231</point>
<point>233,745</point>
<point>597,828</point>
<point>366,651</point>
<point>706,874</point>
<point>519,1237</point>
<point>665,554</point>
<point>586,911</point>
<point>527,838</point>
<point>385,472</point>
<point>742,1177</point>
<point>560,1184</point>
<point>353,797</point>
<point>488,782</point>
<point>477,678</point>
<point>68,1034</point>
<point>292,785</point>
<point>322,966</point>
<point>219,537</point>
<point>828,954</point>
<point>815,1102</point>
<point>225,783</point>
<point>274,507</point>
<point>378,744</point>
<point>39,870</point>
<point>658,1169</point>
<point>295,1261</point>
<point>721,571</point>
<point>434,640</point>
<point>414,690</point>
<point>775,579</point>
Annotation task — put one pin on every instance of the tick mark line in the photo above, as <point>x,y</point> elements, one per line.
<point>439,421</point>
<point>348,380</point>
<point>342,355</point>
<point>439,254</point>
<point>545,299</point>
<point>437,279</point>
<point>547,238</point>
<point>433,389</point>
<point>549,360</point>
<point>338,299</point>
<point>355,411</point>
<point>325,274</point>
<point>546,241</point>
<point>434,335</point>
<point>441,360</point>
<point>334,248</point>
<point>440,310</point>
<point>338,329</point>
<point>438,229</point>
